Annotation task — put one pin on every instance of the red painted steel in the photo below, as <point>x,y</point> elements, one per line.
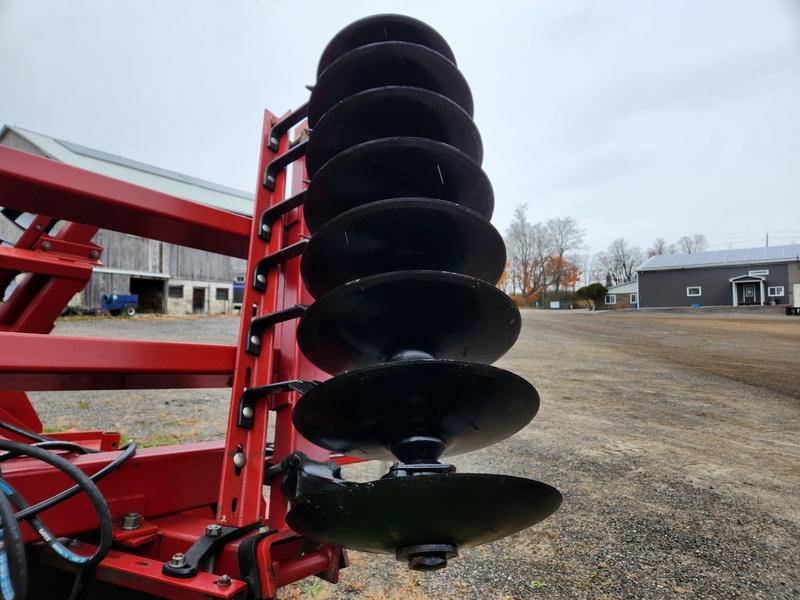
<point>35,362</point>
<point>173,488</point>
<point>144,575</point>
<point>241,500</point>
<point>43,186</point>
<point>154,482</point>
<point>39,262</point>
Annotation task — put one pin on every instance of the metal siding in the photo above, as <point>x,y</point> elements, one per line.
<point>13,140</point>
<point>668,288</point>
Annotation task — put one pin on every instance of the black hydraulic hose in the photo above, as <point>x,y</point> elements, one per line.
<point>52,445</point>
<point>13,568</point>
<point>36,437</point>
<point>83,481</point>
<point>69,493</point>
<point>40,528</point>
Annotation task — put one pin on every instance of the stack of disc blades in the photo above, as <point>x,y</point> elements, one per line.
<point>402,264</point>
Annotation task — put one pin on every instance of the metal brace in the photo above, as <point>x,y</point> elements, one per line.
<point>247,401</point>
<point>284,125</point>
<point>258,325</point>
<point>266,264</point>
<point>281,162</point>
<point>276,211</point>
<point>205,547</point>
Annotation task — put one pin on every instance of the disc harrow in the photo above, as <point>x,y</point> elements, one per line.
<point>402,264</point>
<point>370,319</point>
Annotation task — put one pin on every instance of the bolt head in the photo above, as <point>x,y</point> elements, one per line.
<point>223,581</point>
<point>178,560</point>
<point>247,412</point>
<point>214,530</point>
<point>131,521</point>
<point>239,460</point>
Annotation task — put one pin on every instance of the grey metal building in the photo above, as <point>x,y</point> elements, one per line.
<point>169,279</point>
<point>747,276</point>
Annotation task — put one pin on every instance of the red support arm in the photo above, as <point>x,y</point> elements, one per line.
<point>43,186</point>
<point>34,362</point>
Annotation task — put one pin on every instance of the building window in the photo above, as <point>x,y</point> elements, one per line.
<point>759,273</point>
<point>694,291</point>
<point>222,293</point>
<point>611,298</point>
<point>775,290</point>
<point>633,298</point>
<point>176,291</point>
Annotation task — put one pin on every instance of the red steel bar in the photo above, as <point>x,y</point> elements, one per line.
<point>35,362</point>
<point>153,482</point>
<point>39,185</point>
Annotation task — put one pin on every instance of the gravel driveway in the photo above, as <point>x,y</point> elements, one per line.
<point>673,437</point>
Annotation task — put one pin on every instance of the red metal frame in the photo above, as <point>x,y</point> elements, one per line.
<point>174,489</point>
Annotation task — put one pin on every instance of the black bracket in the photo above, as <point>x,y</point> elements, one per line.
<point>281,162</point>
<point>274,212</point>
<point>258,325</point>
<point>249,571</point>
<point>304,478</point>
<point>266,264</point>
<point>284,125</point>
<point>205,547</point>
<point>247,401</point>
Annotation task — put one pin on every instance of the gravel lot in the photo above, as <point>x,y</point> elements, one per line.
<point>673,436</point>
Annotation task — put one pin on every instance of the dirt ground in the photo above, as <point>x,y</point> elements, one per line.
<point>672,435</point>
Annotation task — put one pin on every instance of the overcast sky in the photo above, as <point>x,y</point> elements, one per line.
<point>641,119</point>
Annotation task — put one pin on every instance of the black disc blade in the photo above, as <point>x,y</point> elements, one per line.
<point>391,112</point>
<point>402,235</point>
<point>381,28</point>
<point>446,315</point>
<point>388,64</point>
<point>460,509</point>
<point>365,412</point>
<point>396,167</point>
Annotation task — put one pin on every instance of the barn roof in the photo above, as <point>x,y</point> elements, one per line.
<point>740,256</point>
<point>138,173</point>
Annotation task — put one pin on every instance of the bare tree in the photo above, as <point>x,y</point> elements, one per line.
<point>528,248</point>
<point>659,247</point>
<point>620,260</point>
<point>692,244</point>
<point>565,236</point>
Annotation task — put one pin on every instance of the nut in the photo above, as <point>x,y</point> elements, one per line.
<point>131,520</point>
